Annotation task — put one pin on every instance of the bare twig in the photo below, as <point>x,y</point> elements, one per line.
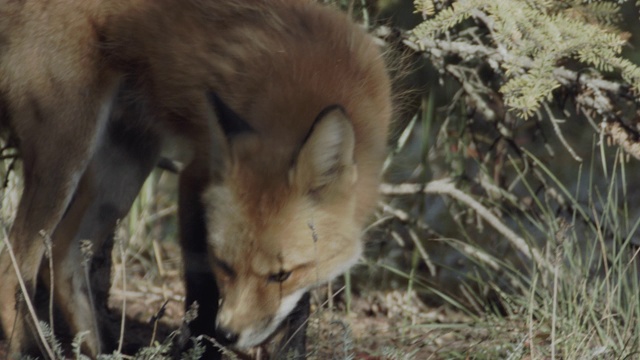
<point>155,318</point>
<point>86,248</point>
<point>447,187</point>
<point>27,300</point>
<point>123,259</point>
<point>423,253</point>
<point>49,255</point>
<point>558,131</point>
<point>624,136</point>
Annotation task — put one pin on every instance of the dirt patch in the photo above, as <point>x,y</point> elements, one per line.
<point>378,325</point>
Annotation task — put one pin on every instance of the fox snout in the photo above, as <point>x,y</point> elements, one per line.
<point>226,337</point>
<point>250,322</point>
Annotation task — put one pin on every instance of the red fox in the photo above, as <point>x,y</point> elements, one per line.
<point>281,107</point>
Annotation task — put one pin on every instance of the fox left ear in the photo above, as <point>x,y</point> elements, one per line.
<point>232,124</point>
<point>239,137</point>
<point>327,153</point>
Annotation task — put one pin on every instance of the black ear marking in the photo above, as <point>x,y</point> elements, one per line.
<point>326,154</point>
<point>232,124</point>
<point>320,116</point>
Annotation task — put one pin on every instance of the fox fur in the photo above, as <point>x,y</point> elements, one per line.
<point>280,111</point>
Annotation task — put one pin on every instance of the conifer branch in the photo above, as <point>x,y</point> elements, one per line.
<point>595,97</point>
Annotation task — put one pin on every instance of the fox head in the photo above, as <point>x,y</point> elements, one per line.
<point>281,221</point>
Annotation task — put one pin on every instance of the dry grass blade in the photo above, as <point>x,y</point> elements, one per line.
<point>9,249</point>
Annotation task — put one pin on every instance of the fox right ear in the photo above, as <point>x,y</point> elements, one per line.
<point>231,123</point>
<point>326,157</point>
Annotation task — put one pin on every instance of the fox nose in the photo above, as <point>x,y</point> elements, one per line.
<point>226,337</point>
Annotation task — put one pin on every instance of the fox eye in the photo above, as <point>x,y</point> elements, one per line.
<point>281,276</point>
<point>226,268</point>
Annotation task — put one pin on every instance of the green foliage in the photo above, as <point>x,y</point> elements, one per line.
<point>534,37</point>
<point>196,351</point>
<point>115,356</point>
<point>77,344</point>
<point>51,339</point>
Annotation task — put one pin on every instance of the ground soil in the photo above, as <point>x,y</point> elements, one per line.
<point>377,325</point>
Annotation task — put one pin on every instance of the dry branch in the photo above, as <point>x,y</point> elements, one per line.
<point>447,187</point>
<point>593,96</point>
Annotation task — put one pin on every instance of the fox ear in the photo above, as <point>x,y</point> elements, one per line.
<point>326,155</point>
<point>240,139</point>
<point>231,123</point>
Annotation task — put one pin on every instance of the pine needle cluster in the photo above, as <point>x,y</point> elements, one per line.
<point>534,37</point>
